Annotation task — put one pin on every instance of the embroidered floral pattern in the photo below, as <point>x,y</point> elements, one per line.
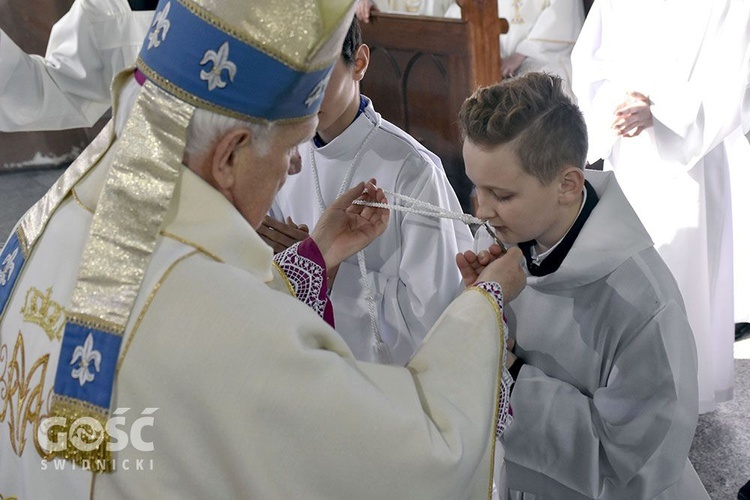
<point>40,309</point>
<point>517,17</point>
<point>7,267</point>
<point>220,62</point>
<point>86,354</point>
<point>306,277</point>
<point>21,393</point>
<point>161,27</point>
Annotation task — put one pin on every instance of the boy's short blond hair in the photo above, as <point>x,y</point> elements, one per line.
<point>533,113</point>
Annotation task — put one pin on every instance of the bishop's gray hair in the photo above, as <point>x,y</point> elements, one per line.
<point>206,127</point>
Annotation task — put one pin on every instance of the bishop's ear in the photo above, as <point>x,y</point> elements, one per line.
<point>571,184</point>
<point>228,154</point>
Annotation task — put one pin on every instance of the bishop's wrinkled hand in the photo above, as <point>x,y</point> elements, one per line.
<point>344,229</point>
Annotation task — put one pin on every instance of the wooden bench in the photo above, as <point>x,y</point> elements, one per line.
<point>423,68</point>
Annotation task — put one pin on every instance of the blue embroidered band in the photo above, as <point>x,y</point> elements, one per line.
<point>11,263</point>
<point>86,371</point>
<point>225,72</point>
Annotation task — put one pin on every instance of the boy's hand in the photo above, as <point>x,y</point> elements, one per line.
<point>493,265</point>
<point>471,265</point>
<point>281,236</point>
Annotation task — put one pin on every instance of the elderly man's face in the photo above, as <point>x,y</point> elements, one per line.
<point>259,177</point>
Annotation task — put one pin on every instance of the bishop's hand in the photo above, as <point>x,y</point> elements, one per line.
<point>344,229</point>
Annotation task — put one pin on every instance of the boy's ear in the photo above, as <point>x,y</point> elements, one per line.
<point>571,184</point>
<point>226,157</point>
<point>361,62</point>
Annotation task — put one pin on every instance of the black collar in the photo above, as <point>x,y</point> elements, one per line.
<point>555,259</point>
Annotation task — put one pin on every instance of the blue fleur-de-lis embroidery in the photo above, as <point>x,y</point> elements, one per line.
<point>317,92</point>
<point>7,267</point>
<point>220,62</point>
<point>161,27</point>
<point>86,354</point>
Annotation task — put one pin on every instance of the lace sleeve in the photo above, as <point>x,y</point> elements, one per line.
<point>505,412</point>
<point>304,267</point>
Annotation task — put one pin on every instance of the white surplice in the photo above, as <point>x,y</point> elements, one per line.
<point>686,57</point>
<point>542,30</point>
<point>412,265</point>
<point>70,86</point>
<point>607,403</point>
<point>255,395</point>
<point>416,7</point>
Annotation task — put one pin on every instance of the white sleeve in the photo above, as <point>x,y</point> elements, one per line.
<point>70,86</point>
<point>554,32</point>
<point>598,94</point>
<point>692,117</point>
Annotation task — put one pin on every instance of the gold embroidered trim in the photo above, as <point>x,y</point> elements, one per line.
<point>131,208</point>
<point>95,323</point>
<point>22,243</point>
<point>284,277</point>
<point>21,402</point>
<point>517,17</point>
<point>244,37</point>
<point>145,308</point>
<point>196,101</point>
<point>191,244</point>
<point>78,200</point>
<point>33,223</point>
<point>41,310</point>
<point>498,382</point>
<point>88,444</point>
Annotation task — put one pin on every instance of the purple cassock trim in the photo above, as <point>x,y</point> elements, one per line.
<point>304,267</point>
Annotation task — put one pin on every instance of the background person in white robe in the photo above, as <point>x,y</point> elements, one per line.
<point>540,37</point>
<point>605,401</point>
<point>70,86</point>
<point>541,33</point>
<point>411,267</point>
<point>740,176</point>
<point>435,8</point>
<point>256,395</point>
<point>662,110</point>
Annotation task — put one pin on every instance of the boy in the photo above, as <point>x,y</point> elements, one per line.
<point>605,395</point>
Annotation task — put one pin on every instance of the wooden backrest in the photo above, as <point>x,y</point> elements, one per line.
<point>423,68</point>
